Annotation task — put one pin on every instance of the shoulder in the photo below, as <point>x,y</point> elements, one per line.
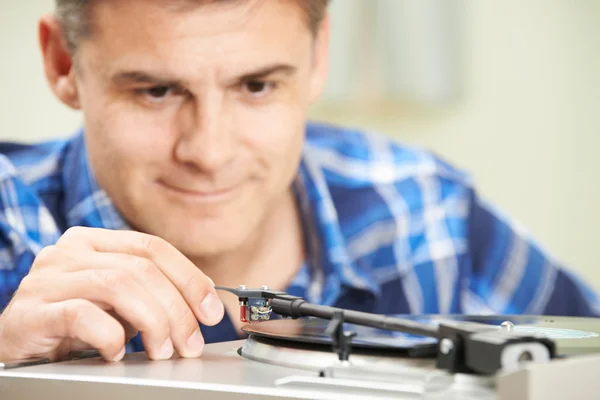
<point>395,206</point>
<point>30,195</point>
<point>36,165</point>
<point>354,160</point>
<point>383,191</point>
<point>31,182</point>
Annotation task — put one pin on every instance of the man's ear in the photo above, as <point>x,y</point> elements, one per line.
<point>321,59</point>
<point>58,61</point>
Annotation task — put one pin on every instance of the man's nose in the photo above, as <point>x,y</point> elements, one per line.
<point>206,140</point>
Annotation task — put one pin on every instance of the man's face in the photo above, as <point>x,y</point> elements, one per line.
<point>195,115</point>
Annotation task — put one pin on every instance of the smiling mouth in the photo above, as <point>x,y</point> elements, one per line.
<point>207,195</point>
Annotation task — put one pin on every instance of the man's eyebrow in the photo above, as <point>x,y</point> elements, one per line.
<point>140,77</point>
<point>263,72</point>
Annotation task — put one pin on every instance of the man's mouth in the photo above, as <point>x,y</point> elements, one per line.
<point>198,193</point>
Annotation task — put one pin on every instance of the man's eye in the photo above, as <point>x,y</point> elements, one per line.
<point>259,88</point>
<point>157,92</point>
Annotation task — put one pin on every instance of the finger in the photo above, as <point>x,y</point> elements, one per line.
<point>52,330</point>
<point>84,321</point>
<point>185,332</point>
<point>197,289</point>
<point>118,290</point>
<point>130,331</point>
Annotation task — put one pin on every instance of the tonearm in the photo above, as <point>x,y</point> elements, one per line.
<point>464,347</point>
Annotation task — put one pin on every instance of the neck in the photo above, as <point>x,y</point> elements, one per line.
<point>271,256</point>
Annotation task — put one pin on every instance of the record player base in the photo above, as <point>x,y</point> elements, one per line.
<point>222,374</point>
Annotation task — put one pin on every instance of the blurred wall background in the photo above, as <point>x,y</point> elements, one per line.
<point>508,90</point>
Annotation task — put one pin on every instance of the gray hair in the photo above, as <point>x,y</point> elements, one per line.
<point>75,17</point>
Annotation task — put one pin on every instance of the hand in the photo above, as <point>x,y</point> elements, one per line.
<point>97,288</point>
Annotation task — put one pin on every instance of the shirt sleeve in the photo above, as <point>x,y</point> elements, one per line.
<point>15,263</point>
<point>512,274</point>
<point>22,224</point>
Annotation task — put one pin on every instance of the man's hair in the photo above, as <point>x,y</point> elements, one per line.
<point>75,20</point>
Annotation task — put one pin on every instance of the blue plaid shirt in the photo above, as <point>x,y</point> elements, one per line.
<point>389,229</point>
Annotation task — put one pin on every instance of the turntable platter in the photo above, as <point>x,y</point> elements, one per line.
<point>572,335</point>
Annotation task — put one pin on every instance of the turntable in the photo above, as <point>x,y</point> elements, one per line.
<point>329,353</point>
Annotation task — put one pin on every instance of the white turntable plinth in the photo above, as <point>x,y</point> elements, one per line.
<point>222,374</point>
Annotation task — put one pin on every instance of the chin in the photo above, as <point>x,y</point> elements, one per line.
<point>203,240</point>
<point>205,247</point>
<point>199,231</point>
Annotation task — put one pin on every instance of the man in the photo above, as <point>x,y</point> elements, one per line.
<point>196,166</point>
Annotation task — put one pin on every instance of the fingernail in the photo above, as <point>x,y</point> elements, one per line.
<point>120,355</point>
<point>196,343</point>
<point>212,309</point>
<point>166,350</point>
<point>211,281</point>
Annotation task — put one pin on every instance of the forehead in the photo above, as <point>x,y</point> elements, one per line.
<point>196,34</point>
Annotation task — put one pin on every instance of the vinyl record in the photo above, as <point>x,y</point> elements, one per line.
<point>572,335</point>
<point>312,331</point>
